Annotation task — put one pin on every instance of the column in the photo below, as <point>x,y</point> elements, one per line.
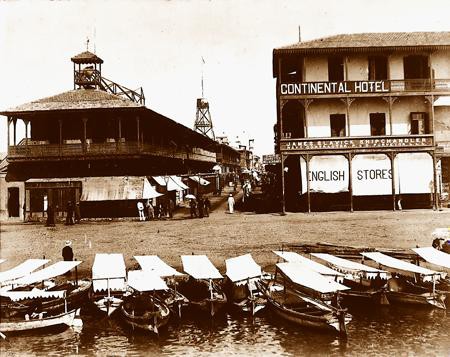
<point>26,130</point>
<point>392,157</point>
<point>283,200</point>
<point>435,182</point>
<point>308,193</point>
<point>7,132</point>
<point>350,180</point>
<point>14,128</point>
<point>390,100</point>
<point>348,102</point>
<point>60,136</point>
<point>84,133</point>
<point>306,103</point>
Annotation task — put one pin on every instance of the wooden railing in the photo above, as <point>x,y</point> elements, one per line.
<point>50,151</point>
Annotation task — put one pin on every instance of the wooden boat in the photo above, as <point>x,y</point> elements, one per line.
<point>108,282</point>
<point>40,291</point>
<point>240,286</point>
<point>39,321</point>
<point>409,283</point>
<point>367,284</point>
<point>294,305</point>
<point>170,296</point>
<point>141,309</point>
<point>202,290</point>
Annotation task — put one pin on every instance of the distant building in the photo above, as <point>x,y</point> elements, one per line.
<point>100,129</point>
<point>363,120</point>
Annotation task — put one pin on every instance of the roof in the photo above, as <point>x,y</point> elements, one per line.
<point>373,40</point>
<point>86,57</point>
<point>74,100</point>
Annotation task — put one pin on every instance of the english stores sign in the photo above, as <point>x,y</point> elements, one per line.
<point>371,175</point>
<point>348,87</point>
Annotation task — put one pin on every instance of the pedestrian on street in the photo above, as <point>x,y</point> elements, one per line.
<point>150,210</point>
<point>140,207</point>
<point>200,206</point>
<point>171,208</point>
<point>50,216</point>
<point>77,212</point>
<point>207,205</point>
<point>231,203</point>
<point>193,208</point>
<point>69,211</point>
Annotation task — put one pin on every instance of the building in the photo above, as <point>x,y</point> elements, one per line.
<point>363,121</point>
<point>100,129</point>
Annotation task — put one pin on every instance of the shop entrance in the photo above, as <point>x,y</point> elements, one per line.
<point>13,202</point>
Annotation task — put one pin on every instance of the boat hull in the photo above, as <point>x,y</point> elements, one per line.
<point>150,319</point>
<point>426,299</point>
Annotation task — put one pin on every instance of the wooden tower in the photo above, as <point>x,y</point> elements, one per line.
<point>203,123</point>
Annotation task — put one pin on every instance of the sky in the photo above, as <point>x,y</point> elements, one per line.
<point>159,45</point>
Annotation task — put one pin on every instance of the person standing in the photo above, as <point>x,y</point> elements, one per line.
<point>200,206</point>
<point>50,216</point>
<point>207,205</point>
<point>67,252</point>
<point>193,208</point>
<point>150,210</point>
<point>140,207</point>
<point>77,212</point>
<point>231,203</point>
<point>171,208</point>
<point>69,211</point>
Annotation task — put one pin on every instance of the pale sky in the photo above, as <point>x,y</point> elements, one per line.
<point>159,44</point>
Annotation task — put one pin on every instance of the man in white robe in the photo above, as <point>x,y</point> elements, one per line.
<point>231,204</point>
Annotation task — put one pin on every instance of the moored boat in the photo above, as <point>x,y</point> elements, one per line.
<point>410,283</point>
<point>287,297</point>
<point>141,308</point>
<point>108,282</point>
<point>203,289</point>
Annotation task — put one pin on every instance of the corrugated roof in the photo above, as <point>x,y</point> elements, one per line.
<point>384,39</point>
<point>86,57</point>
<point>73,100</point>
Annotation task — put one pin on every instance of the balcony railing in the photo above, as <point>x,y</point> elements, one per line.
<point>51,151</point>
<point>360,143</point>
<point>364,87</point>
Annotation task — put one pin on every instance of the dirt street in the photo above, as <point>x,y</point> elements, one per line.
<point>220,236</point>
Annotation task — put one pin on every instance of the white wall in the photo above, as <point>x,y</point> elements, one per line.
<point>319,116</point>
<point>357,68</point>
<point>316,69</point>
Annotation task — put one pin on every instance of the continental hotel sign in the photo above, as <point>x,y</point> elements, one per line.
<point>356,143</point>
<point>348,87</point>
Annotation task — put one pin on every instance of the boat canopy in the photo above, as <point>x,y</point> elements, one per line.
<point>200,267</point>
<point>49,272</point>
<point>405,268</point>
<point>434,256</point>
<point>33,294</point>
<point>200,180</point>
<point>108,272</point>
<point>2,260</point>
<point>154,264</point>
<point>293,257</point>
<point>299,274</point>
<point>242,268</point>
<point>22,269</point>
<point>348,266</point>
<point>145,280</point>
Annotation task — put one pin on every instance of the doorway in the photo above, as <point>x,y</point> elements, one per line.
<point>13,202</point>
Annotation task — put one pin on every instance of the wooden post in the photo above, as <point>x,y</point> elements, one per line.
<point>84,133</point>
<point>26,131</point>
<point>14,128</point>
<point>350,180</point>
<point>435,186</point>
<point>7,132</point>
<point>283,200</point>
<point>392,157</point>
<point>431,100</point>
<point>308,193</point>
<point>60,136</point>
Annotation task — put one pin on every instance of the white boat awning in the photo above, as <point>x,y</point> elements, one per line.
<point>108,271</point>
<point>348,266</point>
<point>443,101</point>
<point>49,272</point>
<point>200,180</point>
<point>22,269</point>
<point>200,267</point>
<point>299,274</point>
<point>33,294</point>
<point>242,268</point>
<point>142,280</point>
<point>400,265</point>
<point>2,260</point>
<point>154,264</point>
<point>434,256</point>
<point>293,257</point>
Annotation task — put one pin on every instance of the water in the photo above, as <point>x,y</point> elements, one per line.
<point>378,331</point>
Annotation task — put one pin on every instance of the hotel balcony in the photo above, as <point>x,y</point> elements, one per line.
<point>364,87</point>
<point>359,143</point>
<point>42,151</point>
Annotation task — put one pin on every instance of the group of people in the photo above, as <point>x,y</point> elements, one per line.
<point>199,208</point>
<point>161,210</point>
<point>73,214</point>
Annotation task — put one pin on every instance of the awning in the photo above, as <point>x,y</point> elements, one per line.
<point>299,274</point>
<point>200,180</point>
<point>116,188</point>
<point>174,183</point>
<point>22,269</point>
<point>142,280</point>
<point>293,257</point>
<point>49,272</point>
<point>149,191</point>
<point>434,256</point>
<point>33,294</point>
<point>200,267</point>
<point>108,271</point>
<point>242,268</point>
<point>154,264</point>
<point>405,268</point>
<point>348,266</point>
<point>442,102</point>
<point>179,182</point>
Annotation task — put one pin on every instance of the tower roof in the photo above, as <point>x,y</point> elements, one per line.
<point>86,57</point>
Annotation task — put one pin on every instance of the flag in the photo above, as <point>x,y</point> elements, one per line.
<point>203,61</point>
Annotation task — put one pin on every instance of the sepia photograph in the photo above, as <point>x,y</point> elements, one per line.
<point>224,178</point>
